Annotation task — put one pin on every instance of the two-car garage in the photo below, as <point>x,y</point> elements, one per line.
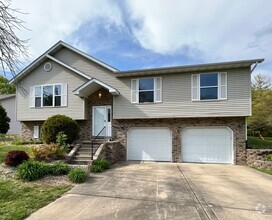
<point>198,144</point>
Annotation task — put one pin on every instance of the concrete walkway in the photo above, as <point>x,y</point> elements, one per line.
<point>167,191</point>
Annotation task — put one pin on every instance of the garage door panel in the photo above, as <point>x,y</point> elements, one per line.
<point>153,144</point>
<point>207,145</point>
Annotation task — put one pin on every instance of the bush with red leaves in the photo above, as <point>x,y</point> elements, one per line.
<point>16,157</point>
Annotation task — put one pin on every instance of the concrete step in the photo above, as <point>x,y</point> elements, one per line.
<point>88,148</point>
<point>80,157</point>
<point>80,161</point>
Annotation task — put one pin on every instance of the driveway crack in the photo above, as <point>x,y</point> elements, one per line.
<point>206,210</point>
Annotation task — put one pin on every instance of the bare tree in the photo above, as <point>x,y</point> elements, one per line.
<point>12,49</point>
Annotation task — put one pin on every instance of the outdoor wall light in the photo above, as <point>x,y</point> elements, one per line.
<point>99,95</point>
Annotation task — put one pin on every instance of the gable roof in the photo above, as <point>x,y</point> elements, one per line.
<point>91,86</point>
<point>189,68</point>
<point>6,96</point>
<point>47,54</point>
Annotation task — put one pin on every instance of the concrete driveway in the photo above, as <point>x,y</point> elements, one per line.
<point>167,191</point>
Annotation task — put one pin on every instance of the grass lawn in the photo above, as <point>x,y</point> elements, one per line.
<point>264,170</point>
<point>257,143</point>
<point>19,199</point>
<point>5,148</point>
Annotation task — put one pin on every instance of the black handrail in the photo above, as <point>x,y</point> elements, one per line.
<point>94,140</point>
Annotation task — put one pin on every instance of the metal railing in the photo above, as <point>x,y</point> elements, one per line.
<point>92,144</point>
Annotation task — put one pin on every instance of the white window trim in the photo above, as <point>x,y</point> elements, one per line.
<point>218,87</point>
<point>153,90</point>
<point>53,101</point>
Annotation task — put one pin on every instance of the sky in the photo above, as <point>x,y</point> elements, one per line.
<point>136,34</point>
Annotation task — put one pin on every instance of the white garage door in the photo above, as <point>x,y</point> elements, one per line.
<point>207,145</point>
<point>149,144</point>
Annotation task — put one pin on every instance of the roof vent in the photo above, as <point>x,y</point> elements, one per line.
<point>47,66</point>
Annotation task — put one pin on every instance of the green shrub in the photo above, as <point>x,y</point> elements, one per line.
<point>103,163</point>
<point>269,157</point>
<point>32,170</point>
<point>96,168</point>
<point>47,152</point>
<point>58,169</point>
<point>16,157</point>
<point>78,175</point>
<point>99,165</point>
<point>59,123</point>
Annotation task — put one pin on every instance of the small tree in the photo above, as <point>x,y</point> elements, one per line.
<point>6,88</point>
<point>261,82</point>
<point>4,121</point>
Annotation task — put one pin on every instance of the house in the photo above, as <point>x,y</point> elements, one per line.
<point>8,102</point>
<point>191,113</point>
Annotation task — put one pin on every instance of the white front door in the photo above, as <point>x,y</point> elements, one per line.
<point>101,119</point>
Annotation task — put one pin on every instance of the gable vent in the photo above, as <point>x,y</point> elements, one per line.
<point>47,66</point>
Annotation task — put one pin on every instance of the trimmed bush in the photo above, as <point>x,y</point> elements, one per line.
<point>99,165</point>
<point>59,123</point>
<point>47,152</point>
<point>78,175</point>
<point>16,157</point>
<point>58,169</point>
<point>32,170</point>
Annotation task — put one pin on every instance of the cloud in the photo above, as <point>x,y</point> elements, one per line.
<point>163,32</point>
<point>51,20</point>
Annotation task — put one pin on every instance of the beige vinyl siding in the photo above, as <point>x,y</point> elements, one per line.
<point>176,99</point>
<point>88,67</point>
<point>58,74</point>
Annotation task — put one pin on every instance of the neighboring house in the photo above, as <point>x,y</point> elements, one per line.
<point>8,102</point>
<point>191,113</point>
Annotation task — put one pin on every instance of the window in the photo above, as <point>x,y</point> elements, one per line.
<point>48,95</point>
<point>146,90</point>
<point>36,132</point>
<point>209,86</point>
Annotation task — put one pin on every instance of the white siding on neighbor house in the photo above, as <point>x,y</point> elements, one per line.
<point>177,100</point>
<point>10,107</point>
<point>59,74</point>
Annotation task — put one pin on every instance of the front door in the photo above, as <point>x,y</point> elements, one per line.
<point>101,119</point>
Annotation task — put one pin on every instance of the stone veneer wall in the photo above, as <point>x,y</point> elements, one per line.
<point>113,151</point>
<point>27,129</point>
<point>257,158</point>
<point>176,125</point>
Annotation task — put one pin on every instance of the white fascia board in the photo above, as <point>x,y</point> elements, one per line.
<point>68,67</point>
<point>90,57</point>
<point>111,90</point>
<point>35,62</point>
